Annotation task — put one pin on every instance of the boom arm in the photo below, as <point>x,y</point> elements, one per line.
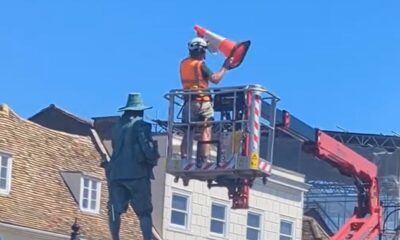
<point>365,222</point>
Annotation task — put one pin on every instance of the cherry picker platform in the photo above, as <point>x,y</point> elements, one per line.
<point>236,129</point>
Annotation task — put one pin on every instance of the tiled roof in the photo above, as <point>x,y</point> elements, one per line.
<point>39,197</point>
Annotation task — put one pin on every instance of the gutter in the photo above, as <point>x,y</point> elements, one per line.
<point>34,231</point>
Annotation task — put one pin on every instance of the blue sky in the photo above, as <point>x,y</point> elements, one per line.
<point>333,63</point>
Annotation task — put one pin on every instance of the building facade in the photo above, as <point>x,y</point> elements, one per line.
<point>196,212</point>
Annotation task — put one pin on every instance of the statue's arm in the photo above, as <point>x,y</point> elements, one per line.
<point>147,144</point>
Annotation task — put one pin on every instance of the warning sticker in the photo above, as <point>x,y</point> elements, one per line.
<point>254,160</point>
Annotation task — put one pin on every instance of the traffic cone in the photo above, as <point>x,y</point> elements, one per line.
<point>227,47</point>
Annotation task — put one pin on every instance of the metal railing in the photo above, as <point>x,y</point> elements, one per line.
<point>328,221</point>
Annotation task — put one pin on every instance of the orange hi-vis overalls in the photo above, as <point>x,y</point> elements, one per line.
<point>192,78</point>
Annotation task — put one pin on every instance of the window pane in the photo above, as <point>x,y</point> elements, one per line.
<point>179,202</point>
<point>94,185</point>
<point>85,193</point>
<point>252,234</point>
<point>3,161</point>
<point>218,212</point>
<point>217,227</point>
<point>93,195</point>
<point>85,203</point>
<point>93,205</point>
<point>286,228</point>
<point>253,220</point>
<point>3,173</point>
<point>285,238</point>
<point>2,183</point>
<point>86,182</point>
<point>178,218</point>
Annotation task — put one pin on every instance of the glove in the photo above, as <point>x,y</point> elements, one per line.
<point>228,63</point>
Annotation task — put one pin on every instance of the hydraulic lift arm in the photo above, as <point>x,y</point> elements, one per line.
<point>365,223</point>
<point>366,220</point>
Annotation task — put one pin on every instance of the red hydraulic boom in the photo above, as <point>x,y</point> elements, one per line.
<point>365,223</point>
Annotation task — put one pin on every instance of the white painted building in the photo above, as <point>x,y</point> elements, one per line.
<point>196,212</point>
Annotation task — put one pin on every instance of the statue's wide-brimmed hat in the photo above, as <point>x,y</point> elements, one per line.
<point>134,103</point>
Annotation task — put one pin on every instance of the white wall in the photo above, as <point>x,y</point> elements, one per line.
<point>281,198</point>
<point>158,184</point>
<point>274,202</point>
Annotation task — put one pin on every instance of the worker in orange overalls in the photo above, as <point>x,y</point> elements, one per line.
<point>196,75</point>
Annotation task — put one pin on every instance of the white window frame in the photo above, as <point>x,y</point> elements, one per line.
<point>260,228</point>
<point>98,195</point>
<point>7,189</point>
<point>286,220</point>
<point>225,221</point>
<point>187,212</point>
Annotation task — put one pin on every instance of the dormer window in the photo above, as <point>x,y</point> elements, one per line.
<point>5,173</point>
<point>90,195</point>
<point>86,190</point>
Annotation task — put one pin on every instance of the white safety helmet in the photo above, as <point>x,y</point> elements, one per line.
<point>197,43</point>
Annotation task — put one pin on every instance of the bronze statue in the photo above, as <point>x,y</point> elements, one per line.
<point>131,167</point>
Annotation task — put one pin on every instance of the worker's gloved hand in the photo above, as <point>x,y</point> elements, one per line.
<point>228,63</point>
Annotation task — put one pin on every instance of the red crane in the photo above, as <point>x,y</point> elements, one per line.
<point>366,221</point>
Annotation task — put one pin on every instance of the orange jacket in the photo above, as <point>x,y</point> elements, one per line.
<point>192,77</point>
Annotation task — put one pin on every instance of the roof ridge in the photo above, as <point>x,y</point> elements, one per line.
<point>63,111</point>
<point>12,112</point>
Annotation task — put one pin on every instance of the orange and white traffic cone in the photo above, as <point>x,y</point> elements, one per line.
<point>229,48</point>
